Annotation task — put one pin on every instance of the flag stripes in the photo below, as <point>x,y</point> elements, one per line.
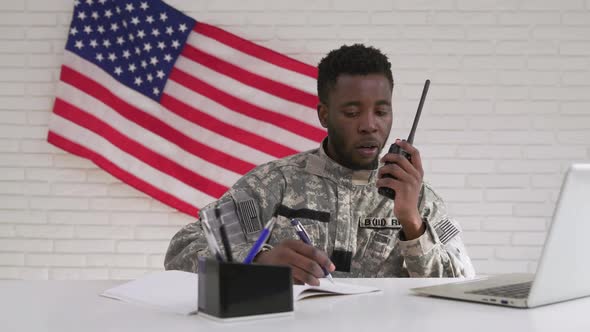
<point>227,105</point>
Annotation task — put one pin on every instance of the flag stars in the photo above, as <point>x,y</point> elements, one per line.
<point>131,39</point>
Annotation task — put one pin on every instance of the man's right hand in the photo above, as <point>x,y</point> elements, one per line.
<point>305,261</point>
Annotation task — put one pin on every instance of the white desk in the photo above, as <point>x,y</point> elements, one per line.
<point>65,306</point>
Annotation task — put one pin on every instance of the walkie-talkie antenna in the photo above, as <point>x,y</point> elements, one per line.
<point>418,112</point>
<point>396,149</point>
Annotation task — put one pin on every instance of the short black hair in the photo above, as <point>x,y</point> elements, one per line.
<point>356,59</point>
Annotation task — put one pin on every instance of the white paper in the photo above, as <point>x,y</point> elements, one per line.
<point>176,291</point>
<point>326,288</point>
<point>171,291</point>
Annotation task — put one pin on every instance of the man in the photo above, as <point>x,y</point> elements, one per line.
<point>332,190</point>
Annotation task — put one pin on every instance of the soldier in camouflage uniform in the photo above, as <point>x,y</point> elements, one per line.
<point>332,190</point>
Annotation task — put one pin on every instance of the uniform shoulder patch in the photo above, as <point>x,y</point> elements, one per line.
<point>446,230</point>
<point>248,212</point>
<point>249,216</point>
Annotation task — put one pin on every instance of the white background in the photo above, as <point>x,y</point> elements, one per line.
<point>508,111</point>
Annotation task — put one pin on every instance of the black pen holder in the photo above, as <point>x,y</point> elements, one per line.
<point>229,290</point>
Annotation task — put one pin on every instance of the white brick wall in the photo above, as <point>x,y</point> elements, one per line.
<point>509,109</point>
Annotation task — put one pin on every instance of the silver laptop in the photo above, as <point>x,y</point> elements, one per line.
<point>563,272</point>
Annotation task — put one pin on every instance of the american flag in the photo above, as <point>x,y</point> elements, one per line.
<point>177,108</point>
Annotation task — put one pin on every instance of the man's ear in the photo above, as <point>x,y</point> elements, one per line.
<point>323,114</point>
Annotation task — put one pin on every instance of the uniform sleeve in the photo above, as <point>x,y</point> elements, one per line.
<point>190,243</point>
<point>185,247</point>
<point>439,252</point>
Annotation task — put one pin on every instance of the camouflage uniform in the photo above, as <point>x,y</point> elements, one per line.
<point>343,214</point>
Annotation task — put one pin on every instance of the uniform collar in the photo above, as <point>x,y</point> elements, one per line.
<point>329,168</point>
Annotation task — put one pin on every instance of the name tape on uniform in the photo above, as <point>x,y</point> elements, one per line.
<point>376,222</point>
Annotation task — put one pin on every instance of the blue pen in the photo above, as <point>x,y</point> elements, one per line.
<point>305,238</point>
<point>260,242</point>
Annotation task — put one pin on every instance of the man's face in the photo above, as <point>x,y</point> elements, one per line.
<point>358,117</point>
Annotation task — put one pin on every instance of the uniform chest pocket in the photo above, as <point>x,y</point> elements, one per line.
<point>316,232</point>
<point>380,242</point>
<point>378,246</point>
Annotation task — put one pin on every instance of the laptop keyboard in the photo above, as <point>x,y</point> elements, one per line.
<point>515,291</point>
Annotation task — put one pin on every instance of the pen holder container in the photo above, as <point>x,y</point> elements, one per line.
<point>229,290</point>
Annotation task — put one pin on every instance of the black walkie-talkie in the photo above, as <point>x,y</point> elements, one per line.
<point>394,148</point>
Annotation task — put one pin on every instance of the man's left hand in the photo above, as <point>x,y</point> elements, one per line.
<point>407,185</point>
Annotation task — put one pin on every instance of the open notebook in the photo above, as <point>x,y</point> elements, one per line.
<point>176,291</point>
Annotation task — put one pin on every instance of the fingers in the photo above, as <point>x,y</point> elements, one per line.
<point>398,186</point>
<point>389,183</point>
<point>397,170</point>
<point>403,162</point>
<point>407,175</point>
<point>301,276</point>
<point>414,153</point>
<point>305,261</point>
<point>400,168</point>
<point>414,168</point>
<point>311,252</point>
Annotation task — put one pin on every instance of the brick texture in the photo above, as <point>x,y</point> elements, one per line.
<point>508,110</point>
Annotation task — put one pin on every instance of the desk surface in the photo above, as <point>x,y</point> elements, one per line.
<point>75,306</point>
